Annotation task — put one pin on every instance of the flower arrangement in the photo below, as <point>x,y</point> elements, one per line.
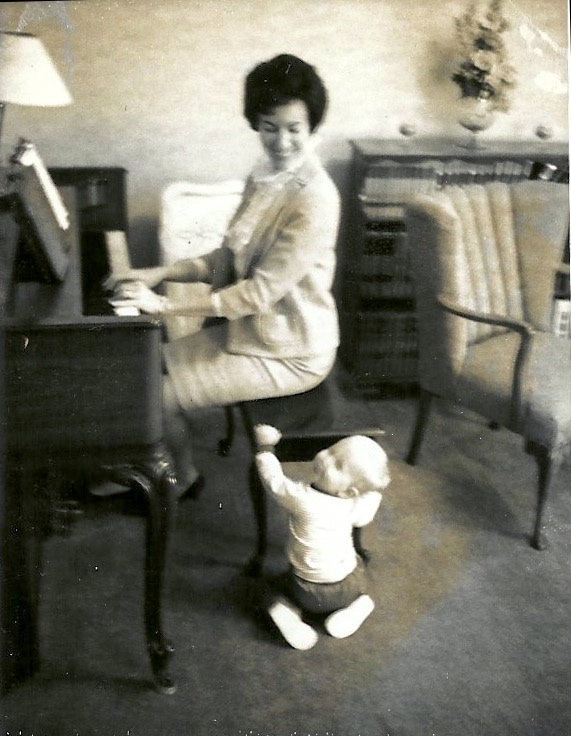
<point>485,71</point>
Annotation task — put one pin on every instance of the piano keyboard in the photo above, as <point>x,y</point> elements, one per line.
<point>119,263</point>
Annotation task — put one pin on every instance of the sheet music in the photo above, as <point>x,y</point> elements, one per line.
<point>27,155</point>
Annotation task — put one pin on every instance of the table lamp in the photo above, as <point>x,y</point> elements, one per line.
<point>28,76</point>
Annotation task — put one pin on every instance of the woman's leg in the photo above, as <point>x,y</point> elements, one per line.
<point>204,374</point>
<point>177,438</point>
<point>201,374</point>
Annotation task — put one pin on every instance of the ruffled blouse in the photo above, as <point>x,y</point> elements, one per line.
<point>266,184</point>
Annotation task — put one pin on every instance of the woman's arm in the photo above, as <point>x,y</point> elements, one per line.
<point>187,270</point>
<point>137,294</point>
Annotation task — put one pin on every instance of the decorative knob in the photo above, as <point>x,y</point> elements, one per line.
<point>544,132</point>
<point>407,129</point>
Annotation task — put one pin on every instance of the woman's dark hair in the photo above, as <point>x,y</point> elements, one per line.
<point>279,81</point>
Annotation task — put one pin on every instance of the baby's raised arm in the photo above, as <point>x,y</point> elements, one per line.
<point>266,436</point>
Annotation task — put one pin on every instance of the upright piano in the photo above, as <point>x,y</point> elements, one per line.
<point>81,395</point>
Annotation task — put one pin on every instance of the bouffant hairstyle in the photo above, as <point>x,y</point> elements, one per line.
<point>279,81</point>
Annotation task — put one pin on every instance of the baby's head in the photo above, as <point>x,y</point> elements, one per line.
<point>351,466</point>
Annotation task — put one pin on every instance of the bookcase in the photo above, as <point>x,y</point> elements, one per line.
<point>377,310</point>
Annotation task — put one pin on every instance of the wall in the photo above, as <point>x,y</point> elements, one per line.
<point>157,84</point>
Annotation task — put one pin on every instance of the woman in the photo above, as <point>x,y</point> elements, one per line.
<point>272,277</point>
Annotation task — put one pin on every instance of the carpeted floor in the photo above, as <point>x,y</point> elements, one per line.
<point>470,636</point>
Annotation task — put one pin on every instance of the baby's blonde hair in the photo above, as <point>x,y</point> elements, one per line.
<point>369,461</point>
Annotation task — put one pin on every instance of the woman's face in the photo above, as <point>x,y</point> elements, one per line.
<point>285,134</point>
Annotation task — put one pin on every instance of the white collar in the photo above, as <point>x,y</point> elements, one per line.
<point>263,171</point>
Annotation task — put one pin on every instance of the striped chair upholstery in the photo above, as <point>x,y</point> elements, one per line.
<point>485,258</point>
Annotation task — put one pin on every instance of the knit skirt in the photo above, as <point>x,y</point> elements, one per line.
<point>204,374</point>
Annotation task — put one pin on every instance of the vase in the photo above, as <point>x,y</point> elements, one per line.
<point>476,115</point>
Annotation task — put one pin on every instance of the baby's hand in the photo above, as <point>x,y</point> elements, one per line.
<point>265,434</point>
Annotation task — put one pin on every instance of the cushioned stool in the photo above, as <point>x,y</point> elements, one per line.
<point>307,411</point>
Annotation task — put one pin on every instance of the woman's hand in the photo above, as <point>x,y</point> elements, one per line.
<point>151,277</point>
<point>137,294</point>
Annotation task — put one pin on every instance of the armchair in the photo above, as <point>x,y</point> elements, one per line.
<point>485,259</point>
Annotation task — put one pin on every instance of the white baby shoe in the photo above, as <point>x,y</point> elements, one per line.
<point>346,621</point>
<point>294,630</point>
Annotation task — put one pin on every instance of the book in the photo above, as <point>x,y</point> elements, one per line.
<point>41,216</point>
<point>561,320</point>
<point>27,155</point>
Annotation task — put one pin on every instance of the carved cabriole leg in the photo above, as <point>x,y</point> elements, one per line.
<point>259,503</point>
<point>155,477</point>
<point>425,401</point>
<point>547,463</point>
<point>21,554</point>
<point>363,553</point>
<point>225,444</point>
<point>162,495</point>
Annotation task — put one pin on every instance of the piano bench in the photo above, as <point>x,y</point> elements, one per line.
<point>308,411</point>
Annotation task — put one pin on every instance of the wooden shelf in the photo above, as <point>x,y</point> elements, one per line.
<point>378,323</point>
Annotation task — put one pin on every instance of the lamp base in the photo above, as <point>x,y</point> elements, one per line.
<point>471,144</point>
<point>476,115</point>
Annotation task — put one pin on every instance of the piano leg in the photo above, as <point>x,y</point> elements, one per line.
<point>30,516</point>
<point>21,547</point>
<point>156,479</point>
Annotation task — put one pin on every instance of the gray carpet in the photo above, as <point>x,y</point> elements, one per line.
<point>470,636</point>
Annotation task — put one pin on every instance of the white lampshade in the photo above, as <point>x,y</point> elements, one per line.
<point>28,76</point>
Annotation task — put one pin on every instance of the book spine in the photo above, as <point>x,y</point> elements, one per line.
<point>27,155</point>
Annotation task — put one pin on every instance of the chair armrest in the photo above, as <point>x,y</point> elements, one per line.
<point>525,331</point>
<point>523,328</point>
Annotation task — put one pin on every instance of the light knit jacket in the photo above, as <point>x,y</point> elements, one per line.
<point>283,306</point>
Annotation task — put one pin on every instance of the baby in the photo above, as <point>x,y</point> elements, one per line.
<point>326,574</point>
